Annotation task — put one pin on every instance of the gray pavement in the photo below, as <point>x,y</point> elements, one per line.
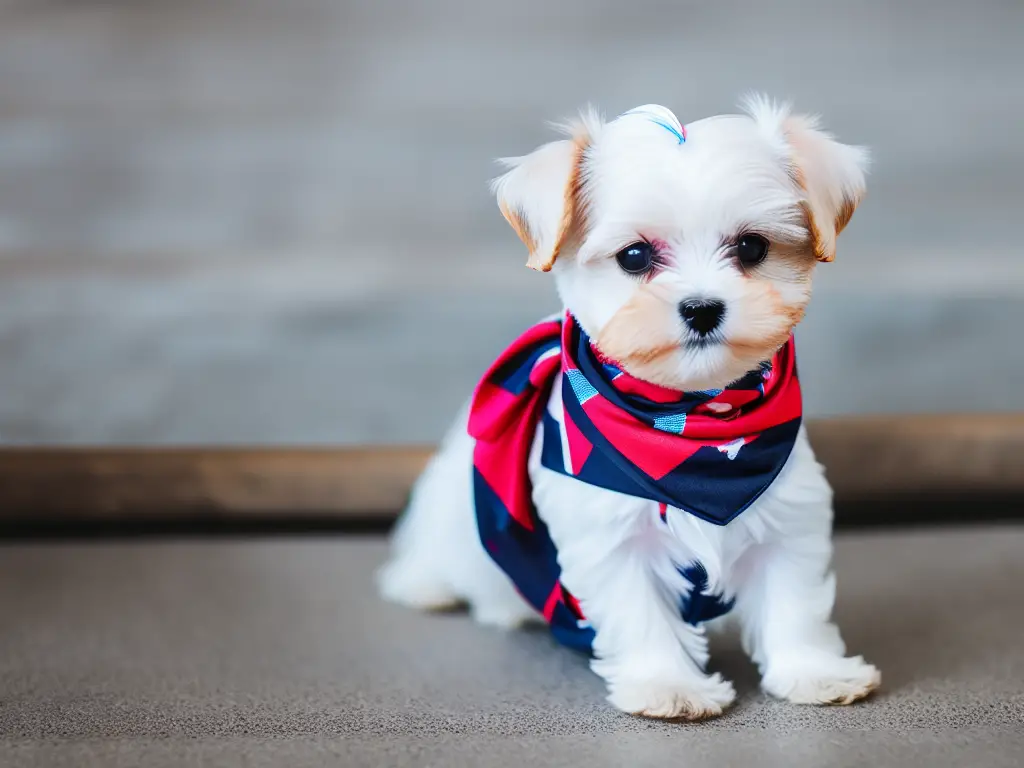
<point>264,222</point>
<point>274,653</point>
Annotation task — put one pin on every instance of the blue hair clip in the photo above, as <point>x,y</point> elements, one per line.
<point>663,117</point>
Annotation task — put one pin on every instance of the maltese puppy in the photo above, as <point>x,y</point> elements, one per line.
<point>635,467</point>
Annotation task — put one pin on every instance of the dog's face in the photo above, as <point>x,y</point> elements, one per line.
<point>685,253</point>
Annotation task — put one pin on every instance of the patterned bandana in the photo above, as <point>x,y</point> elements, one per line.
<point>710,453</point>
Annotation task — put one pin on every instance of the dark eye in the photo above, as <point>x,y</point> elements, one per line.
<point>751,249</point>
<point>636,258</point>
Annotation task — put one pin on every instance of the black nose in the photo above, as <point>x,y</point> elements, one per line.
<point>702,315</point>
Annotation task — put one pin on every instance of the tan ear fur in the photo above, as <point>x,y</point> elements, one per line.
<point>832,177</point>
<point>541,197</point>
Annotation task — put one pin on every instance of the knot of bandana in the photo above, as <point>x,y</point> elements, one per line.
<point>710,453</point>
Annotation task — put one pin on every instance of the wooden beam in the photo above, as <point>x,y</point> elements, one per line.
<point>112,483</point>
<point>872,457</point>
<point>866,459</point>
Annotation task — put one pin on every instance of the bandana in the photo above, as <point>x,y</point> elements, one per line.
<point>710,453</point>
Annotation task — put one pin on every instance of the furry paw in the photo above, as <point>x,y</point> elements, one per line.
<point>831,681</point>
<point>503,614</point>
<point>695,699</point>
<point>403,583</point>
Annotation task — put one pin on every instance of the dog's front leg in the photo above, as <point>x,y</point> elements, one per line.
<point>652,662</point>
<point>784,606</point>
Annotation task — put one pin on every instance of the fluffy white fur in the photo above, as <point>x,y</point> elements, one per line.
<point>575,203</point>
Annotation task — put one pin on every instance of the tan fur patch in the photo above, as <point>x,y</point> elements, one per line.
<point>777,320</point>
<point>791,263</point>
<point>573,213</point>
<point>641,333</point>
<point>845,214</point>
<point>518,223</point>
<point>821,251</point>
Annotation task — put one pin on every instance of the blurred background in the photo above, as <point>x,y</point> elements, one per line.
<point>259,221</point>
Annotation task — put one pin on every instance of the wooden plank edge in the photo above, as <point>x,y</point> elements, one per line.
<point>869,458</point>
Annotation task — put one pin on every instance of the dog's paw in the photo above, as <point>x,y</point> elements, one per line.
<point>832,681</point>
<point>503,614</point>
<point>694,699</point>
<point>402,582</point>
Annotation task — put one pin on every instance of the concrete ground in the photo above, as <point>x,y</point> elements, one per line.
<point>255,221</point>
<point>278,652</point>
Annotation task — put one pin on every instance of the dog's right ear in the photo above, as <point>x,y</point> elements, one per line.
<point>541,197</point>
<point>829,174</point>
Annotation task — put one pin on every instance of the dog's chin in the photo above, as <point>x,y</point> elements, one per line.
<point>699,363</point>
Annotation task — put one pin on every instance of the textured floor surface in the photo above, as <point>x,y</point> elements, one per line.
<point>270,653</point>
<point>265,221</point>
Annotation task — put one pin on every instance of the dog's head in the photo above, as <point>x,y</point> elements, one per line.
<point>685,253</point>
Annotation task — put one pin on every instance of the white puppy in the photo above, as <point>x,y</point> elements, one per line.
<point>666,477</point>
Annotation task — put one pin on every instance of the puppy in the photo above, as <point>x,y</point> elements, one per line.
<point>635,467</point>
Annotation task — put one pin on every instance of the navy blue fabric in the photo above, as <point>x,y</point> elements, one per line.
<point>528,557</point>
<point>531,562</point>
<point>515,374</point>
<point>700,606</point>
<point>570,631</point>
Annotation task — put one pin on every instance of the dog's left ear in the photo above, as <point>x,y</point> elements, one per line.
<point>830,174</point>
<point>541,197</point>
<point>832,177</point>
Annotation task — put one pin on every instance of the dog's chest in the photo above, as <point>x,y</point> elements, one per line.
<point>592,526</point>
<point>589,524</point>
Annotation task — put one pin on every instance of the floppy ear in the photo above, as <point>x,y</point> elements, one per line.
<point>832,178</point>
<point>540,197</point>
